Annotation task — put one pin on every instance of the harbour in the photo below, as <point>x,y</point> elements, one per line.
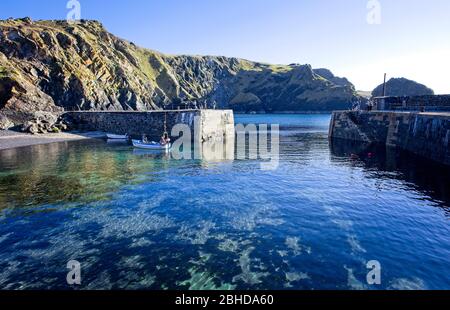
<point>420,125</point>
<point>210,153</point>
<point>139,220</point>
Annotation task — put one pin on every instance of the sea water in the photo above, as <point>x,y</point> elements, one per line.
<point>142,220</point>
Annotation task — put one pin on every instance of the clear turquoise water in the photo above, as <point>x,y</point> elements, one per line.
<point>137,220</point>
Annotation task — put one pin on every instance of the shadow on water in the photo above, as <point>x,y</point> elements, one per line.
<point>428,177</point>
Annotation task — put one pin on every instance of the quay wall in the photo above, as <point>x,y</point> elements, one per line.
<point>204,124</point>
<point>424,134</point>
<point>431,103</point>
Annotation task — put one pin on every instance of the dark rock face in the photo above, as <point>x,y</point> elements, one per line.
<point>402,87</point>
<point>56,66</point>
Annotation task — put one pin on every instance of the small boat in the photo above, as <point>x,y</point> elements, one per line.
<point>151,146</point>
<point>116,137</point>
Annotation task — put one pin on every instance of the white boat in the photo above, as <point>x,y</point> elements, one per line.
<point>151,146</point>
<point>116,137</point>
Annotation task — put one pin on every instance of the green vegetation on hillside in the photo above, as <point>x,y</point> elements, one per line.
<point>82,66</point>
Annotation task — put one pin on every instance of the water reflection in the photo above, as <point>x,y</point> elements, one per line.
<point>432,179</point>
<point>215,150</point>
<point>88,171</point>
<point>76,171</point>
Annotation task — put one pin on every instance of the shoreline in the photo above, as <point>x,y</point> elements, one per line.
<point>285,113</point>
<point>11,139</point>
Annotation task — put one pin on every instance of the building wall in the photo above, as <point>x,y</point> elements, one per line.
<point>424,134</point>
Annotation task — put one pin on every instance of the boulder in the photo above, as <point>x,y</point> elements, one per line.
<point>5,123</point>
<point>45,122</point>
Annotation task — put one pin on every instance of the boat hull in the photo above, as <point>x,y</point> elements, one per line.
<point>151,146</point>
<point>116,137</point>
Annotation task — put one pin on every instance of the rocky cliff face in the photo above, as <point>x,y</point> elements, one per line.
<point>55,66</point>
<point>327,74</point>
<point>398,87</point>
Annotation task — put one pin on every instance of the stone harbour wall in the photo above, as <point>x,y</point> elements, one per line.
<point>424,134</point>
<point>204,124</point>
<point>430,103</point>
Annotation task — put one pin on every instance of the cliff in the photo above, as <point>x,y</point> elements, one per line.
<point>398,87</point>
<point>58,66</point>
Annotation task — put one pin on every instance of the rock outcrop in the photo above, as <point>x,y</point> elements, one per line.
<point>47,122</point>
<point>56,66</point>
<point>398,87</point>
<point>327,74</point>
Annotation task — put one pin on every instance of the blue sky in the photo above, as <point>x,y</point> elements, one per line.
<point>412,40</point>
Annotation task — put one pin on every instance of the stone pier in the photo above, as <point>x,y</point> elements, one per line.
<point>204,124</point>
<point>424,134</point>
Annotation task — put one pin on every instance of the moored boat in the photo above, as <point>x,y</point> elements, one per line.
<point>151,146</point>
